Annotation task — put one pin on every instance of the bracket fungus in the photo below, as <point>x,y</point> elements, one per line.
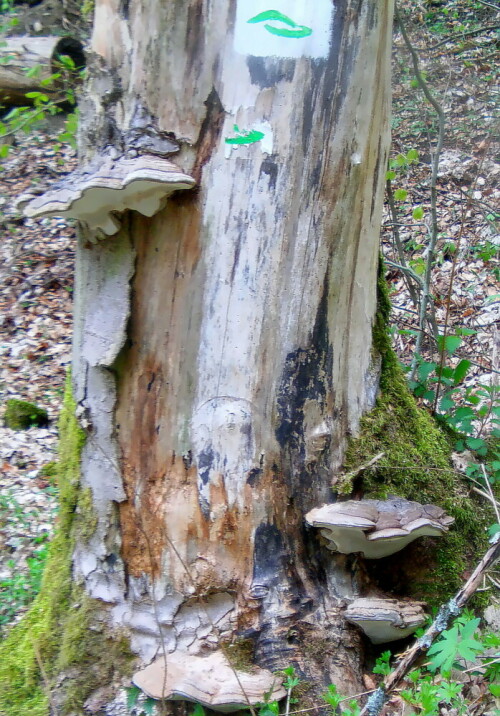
<point>384,620</point>
<point>377,528</point>
<point>94,193</point>
<point>208,680</point>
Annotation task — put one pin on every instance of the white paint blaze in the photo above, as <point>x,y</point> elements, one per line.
<point>258,38</point>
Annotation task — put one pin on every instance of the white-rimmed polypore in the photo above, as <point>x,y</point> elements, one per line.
<point>209,681</point>
<point>384,620</point>
<point>96,193</point>
<point>377,528</point>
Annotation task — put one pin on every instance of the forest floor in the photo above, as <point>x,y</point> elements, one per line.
<point>457,43</point>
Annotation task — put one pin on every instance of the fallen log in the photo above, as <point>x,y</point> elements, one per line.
<point>19,58</point>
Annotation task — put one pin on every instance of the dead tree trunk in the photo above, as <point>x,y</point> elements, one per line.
<point>223,347</point>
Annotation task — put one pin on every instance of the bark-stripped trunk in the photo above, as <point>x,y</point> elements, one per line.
<point>223,346</point>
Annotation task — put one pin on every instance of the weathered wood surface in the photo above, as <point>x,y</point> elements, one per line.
<point>223,346</point>
<point>23,53</point>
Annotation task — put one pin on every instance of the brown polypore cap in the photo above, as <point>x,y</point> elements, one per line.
<point>91,194</point>
<point>208,680</point>
<point>377,528</point>
<point>385,620</point>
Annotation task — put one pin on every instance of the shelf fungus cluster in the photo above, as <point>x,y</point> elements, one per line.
<point>377,528</point>
<point>94,194</point>
<point>384,620</point>
<point>209,681</point>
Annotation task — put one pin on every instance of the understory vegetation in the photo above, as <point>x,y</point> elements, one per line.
<point>433,435</point>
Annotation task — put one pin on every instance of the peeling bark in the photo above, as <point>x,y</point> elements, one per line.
<point>223,347</point>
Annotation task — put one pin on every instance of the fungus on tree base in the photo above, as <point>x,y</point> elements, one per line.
<point>384,620</point>
<point>377,528</point>
<point>93,194</point>
<point>208,680</point>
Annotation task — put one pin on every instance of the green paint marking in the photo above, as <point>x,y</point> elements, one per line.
<point>245,137</point>
<point>300,31</point>
<point>293,30</point>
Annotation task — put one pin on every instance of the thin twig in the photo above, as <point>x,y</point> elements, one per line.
<point>490,493</point>
<point>399,246</point>
<point>407,273</point>
<point>353,473</point>
<point>464,209</point>
<point>435,165</point>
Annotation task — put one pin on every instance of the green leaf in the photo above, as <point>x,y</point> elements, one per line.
<point>424,370</point>
<point>412,155</point>
<point>400,160</point>
<point>418,213</point>
<point>446,403</point>
<point>400,194</point>
<point>464,413</point>
<point>451,343</point>
<point>4,151</point>
<point>461,371</point>
<point>492,531</point>
<point>418,265</point>
<point>454,642</point>
<point>495,690</point>
<point>390,175</point>
<point>132,696</point>
<point>149,706</point>
<point>270,709</point>
<point>475,443</point>
<point>332,697</point>
<point>198,710</point>
<point>33,71</point>
<point>447,691</point>
<point>443,652</point>
<point>382,665</point>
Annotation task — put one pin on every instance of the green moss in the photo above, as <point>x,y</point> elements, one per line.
<point>62,630</point>
<point>89,654</point>
<point>87,10</point>
<point>21,415</point>
<point>416,465</point>
<point>35,640</point>
<point>50,470</point>
<point>86,518</point>
<point>240,653</point>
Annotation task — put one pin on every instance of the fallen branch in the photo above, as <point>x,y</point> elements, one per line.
<point>374,704</point>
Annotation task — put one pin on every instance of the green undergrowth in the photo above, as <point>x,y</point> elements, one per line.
<point>416,465</point>
<point>33,645</point>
